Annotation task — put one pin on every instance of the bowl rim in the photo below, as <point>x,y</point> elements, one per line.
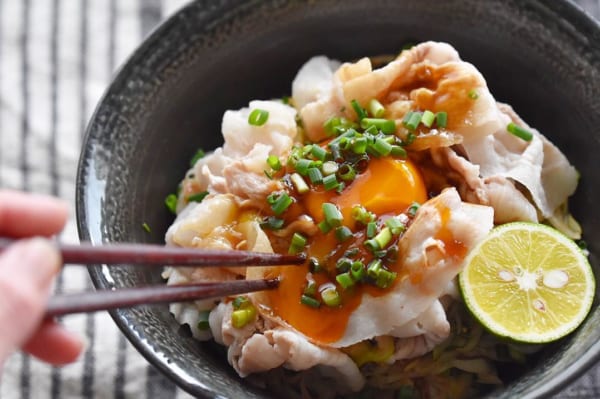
<point>570,11</point>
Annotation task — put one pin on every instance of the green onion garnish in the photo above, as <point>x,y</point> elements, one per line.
<point>203,324</point>
<point>351,252</point>
<point>302,166</point>
<point>374,268</point>
<point>410,138</point>
<point>309,301</point>
<point>146,227</point>
<point>441,119</point>
<point>371,229</point>
<point>332,214</point>
<point>345,280</point>
<point>314,265</point>
<point>395,225</point>
<point>473,95</point>
<point>357,270</point>
<point>413,208</point>
<point>372,245</point>
<point>241,317</point>
<point>519,132</point>
<point>171,202</point>
<point>274,162</point>
<point>343,233</point>
<point>387,126</point>
<point>197,197</point>
<point>330,182</point>
<point>384,237</point>
<point>298,243</point>
<point>329,168</point>
<point>360,112</point>
<point>343,264</point>
<point>398,152</point>
<point>382,147</point>
<point>299,183</point>
<point>282,203</point>
<point>330,295</point>
<point>240,302</point>
<point>347,172</point>
<point>272,223</point>
<point>385,278</point>
<point>413,120</point>
<point>330,125</point>
<point>315,176</point>
<point>319,152</point>
<point>311,286</point>
<point>324,227</point>
<point>428,118</point>
<point>198,155</point>
<point>376,108</point>
<point>258,117</point>
<point>359,145</point>
<point>360,214</point>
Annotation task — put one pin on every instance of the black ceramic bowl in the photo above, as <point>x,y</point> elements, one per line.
<point>543,57</point>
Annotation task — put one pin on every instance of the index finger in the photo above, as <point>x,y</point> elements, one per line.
<point>26,215</point>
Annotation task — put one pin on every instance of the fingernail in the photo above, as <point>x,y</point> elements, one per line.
<point>38,260</point>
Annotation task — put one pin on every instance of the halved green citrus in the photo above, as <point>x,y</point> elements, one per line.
<point>528,282</point>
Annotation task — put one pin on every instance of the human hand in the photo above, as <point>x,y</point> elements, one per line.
<point>27,270</point>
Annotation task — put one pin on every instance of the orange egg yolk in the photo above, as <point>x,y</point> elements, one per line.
<point>388,186</point>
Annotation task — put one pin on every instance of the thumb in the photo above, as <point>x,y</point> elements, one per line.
<point>27,270</point>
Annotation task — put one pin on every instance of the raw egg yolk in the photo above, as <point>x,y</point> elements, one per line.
<point>387,186</point>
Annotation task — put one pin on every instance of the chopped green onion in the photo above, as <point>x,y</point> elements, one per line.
<point>428,118</point>
<point>398,152</point>
<point>351,252</point>
<point>413,208</point>
<point>387,126</point>
<point>314,265</point>
<point>315,175</point>
<point>197,197</point>
<point>384,237</point>
<point>330,295</point>
<point>203,324</point>
<point>272,223</point>
<point>198,155</point>
<point>376,108</point>
<point>171,202</point>
<point>371,229</point>
<point>343,264</point>
<point>302,166</point>
<point>374,268</point>
<point>410,138</point>
<point>274,162</point>
<point>298,243</point>
<point>473,95</point>
<point>146,227</point>
<point>372,245</point>
<point>332,214</point>
<point>441,119</point>
<point>413,120</point>
<point>360,214</point>
<point>309,301</point>
<point>329,168</point>
<point>299,183</point>
<point>311,286</point>
<point>347,172</point>
<point>282,203</point>
<point>360,112</point>
<point>395,225</point>
<point>240,302</point>
<point>382,147</point>
<point>258,117</point>
<point>331,124</point>
<point>240,318</point>
<point>357,270</point>
<point>340,187</point>
<point>286,100</point>
<point>385,278</point>
<point>268,174</point>
<point>319,152</point>
<point>345,280</point>
<point>359,145</point>
<point>380,253</point>
<point>324,227</point>
<point>519,132</point>
<point>330,182</point>
<point>343,233</point>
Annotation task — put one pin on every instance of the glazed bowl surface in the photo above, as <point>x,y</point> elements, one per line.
<point>168,99</point>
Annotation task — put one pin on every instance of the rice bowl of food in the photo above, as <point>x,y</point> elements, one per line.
<point>441,224</point>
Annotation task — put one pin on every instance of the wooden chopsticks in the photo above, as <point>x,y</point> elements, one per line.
<point>157,255</point>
